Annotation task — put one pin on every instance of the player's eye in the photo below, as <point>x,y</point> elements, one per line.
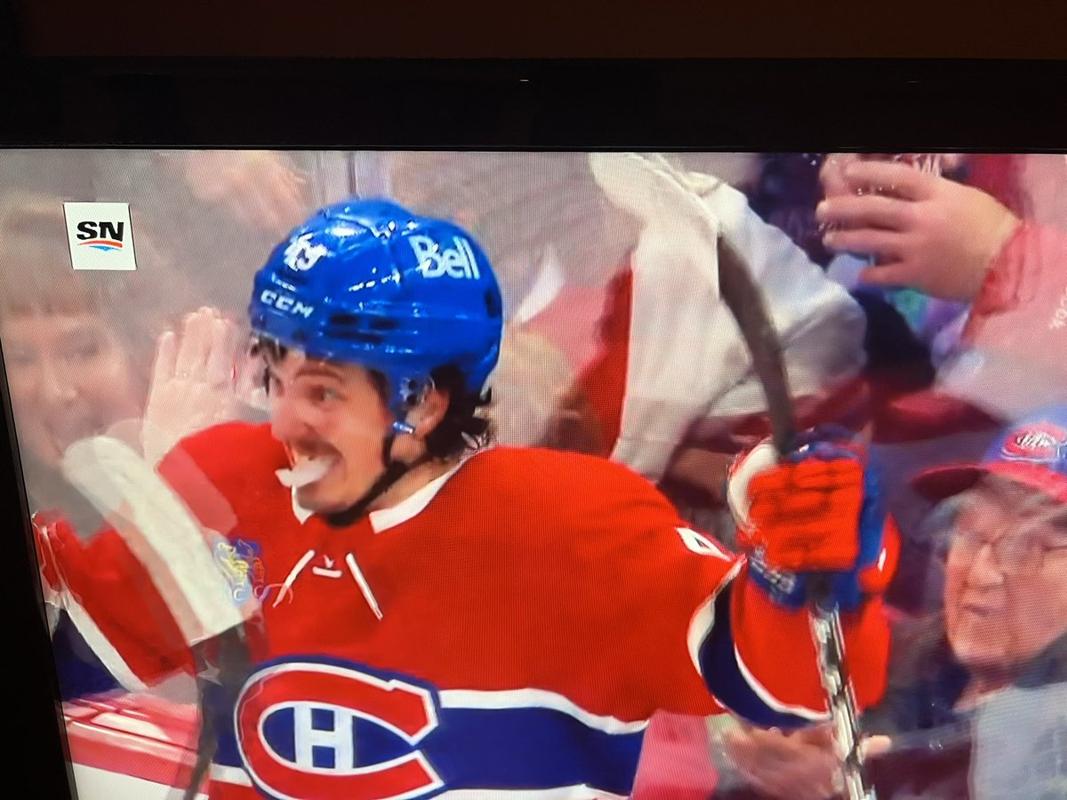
<point>269,381</point>
<point>325,394</point>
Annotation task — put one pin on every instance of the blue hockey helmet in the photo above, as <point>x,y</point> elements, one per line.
<point>370,283</point>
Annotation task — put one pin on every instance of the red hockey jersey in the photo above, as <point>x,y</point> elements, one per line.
<point>510,626</point>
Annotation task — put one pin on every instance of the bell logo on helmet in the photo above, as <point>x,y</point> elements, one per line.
<point>284,302</point>
<point>436,261</point>
<point>301,254</point>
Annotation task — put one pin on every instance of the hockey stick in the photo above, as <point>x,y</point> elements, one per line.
<point>745,302</point>
<point>171,545</point>
<point>652,189</point>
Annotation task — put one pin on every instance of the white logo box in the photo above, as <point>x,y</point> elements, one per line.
<point>100,236</point>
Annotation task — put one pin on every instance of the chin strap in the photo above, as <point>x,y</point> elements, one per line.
<point>394,471</point>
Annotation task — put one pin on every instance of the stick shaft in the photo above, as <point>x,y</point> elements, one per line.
<point>745,302</point>
<point>833,671</point>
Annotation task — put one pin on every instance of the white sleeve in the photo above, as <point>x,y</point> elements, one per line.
<point>686,358</point>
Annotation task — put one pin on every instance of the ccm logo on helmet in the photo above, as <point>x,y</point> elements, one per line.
<point>436,261</point>
<point>297,733</point>
<point>284,302</point>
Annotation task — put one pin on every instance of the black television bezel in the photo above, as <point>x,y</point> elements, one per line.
<point>754,105</point>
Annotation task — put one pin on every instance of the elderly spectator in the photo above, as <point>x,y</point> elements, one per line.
<point>976,702</point>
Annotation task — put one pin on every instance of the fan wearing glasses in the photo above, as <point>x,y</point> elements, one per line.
<point>1005,557</point>
<point>977,699</point>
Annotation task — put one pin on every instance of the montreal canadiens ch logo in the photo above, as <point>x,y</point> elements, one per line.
<point>1041,443</point>
<point>320,730</point>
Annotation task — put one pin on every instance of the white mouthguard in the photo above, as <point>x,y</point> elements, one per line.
<point>304,473</point>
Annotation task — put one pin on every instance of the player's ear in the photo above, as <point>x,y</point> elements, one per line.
<point>428,414</point>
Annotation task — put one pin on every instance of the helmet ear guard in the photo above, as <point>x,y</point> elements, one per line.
<point>409,393</point>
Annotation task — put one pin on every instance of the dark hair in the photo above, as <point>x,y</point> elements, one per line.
<point>464,428</point>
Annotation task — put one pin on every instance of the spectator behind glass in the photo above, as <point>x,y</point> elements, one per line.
<point>81,358</point>
<point>977,698</point>
<point>220,211</point>
<point>915,243</point>
<point>78,346</point>
<point>87,353</point>
<point>1005,261</point>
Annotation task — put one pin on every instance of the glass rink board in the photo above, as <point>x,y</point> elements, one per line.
<point>409,474</point>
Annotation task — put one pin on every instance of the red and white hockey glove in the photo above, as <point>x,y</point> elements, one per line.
<point>819,510</point>
<point>51,581</point>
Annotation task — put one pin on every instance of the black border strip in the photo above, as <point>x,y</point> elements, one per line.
<point>805,105</point>
<point>37,754</point>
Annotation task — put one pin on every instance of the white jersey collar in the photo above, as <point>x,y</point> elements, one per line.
<point>302,514</point>
<point>409,507</point>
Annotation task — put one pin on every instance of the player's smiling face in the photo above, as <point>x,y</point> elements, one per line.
<point>332,420</point>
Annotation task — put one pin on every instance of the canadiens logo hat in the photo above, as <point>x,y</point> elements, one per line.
<point>1032,451</point>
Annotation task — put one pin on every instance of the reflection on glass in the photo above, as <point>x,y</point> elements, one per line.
<point>918,299</point>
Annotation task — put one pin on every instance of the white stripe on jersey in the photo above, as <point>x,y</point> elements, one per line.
<point>232,775</point>
<point>773,702</point>
<point>537,698</point>
<point>703,619</point>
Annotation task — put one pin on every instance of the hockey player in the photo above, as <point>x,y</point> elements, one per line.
<point>437,615</point>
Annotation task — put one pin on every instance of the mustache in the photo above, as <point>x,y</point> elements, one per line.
<point>310,448</point>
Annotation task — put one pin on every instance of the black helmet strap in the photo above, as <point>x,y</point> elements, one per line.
<point>394,471</point>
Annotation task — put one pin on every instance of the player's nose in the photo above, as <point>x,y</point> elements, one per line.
<point>286,422</point>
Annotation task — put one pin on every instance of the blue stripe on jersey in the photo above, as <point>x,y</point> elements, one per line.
<point>718,664</point>
<point>79,670</point>
<point>532,748</point>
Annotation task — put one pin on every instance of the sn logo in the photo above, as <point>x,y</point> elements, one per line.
<point>436,261</point>
<point>105,236</point>
<point>296,733</point>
